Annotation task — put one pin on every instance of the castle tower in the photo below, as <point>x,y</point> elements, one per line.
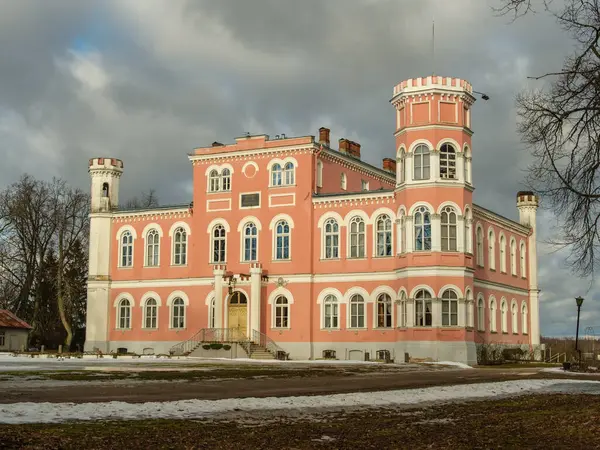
<point>105,174</point>
<point>527,203</point>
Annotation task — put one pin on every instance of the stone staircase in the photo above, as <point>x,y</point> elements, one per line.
<point>260,352</point>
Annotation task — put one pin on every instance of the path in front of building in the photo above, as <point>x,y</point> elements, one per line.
<point>212,389</point>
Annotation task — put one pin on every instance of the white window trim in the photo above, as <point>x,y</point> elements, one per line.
<point>282,163</point>
<point>374,229</point>
<point>145,298</point>
<point>323,240</point>
<point>348,239</point>
<point>321,302</point>
<point>242,231</point>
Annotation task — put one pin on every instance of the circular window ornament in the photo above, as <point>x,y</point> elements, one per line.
<point>250,169</point>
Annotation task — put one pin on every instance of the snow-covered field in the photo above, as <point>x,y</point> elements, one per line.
<point>16,413</point>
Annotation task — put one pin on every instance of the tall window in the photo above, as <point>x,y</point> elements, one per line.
<point>384,235</point>
<point>449,308</point>
<point>357,311</point>
<point>343,181</point>
<point>282,312</point>
<point>513,256</point>
<point>124,314</point>
<point>332,239</point>
<point>276,175</point>
<point>178,313</point>
<point>504,315</point>
<point>479,247</point>
<point>421,162</point>
<point>150,313</point>
<point>213,181</point>
<point>331,312</point>
<point>524,318</point>
<point>357,238</point>
<point>126,249</point>
<point>180,247</point>
<point>250,242</point>
<point>481,314</point>
<point>226,180</point>
<point>492,250</point>
<point>422,229</point>
<point>282,240</point>
<point>218,245</point>
<point>502,253</point>
<point>522,255</point>
<point>152,248</point>
<point>319,174</point>
<point>403,310</point>
<point>288,174</point>
<point>447,162</point>
<point>423,309</point>
<point>211,314</point>
<point>402,232</point>
<point>468,229</point>
<point>493,314</point>
<point>514,319</point>
<point>448,229</point>
<point>384,311</point>
<point>401,166</point>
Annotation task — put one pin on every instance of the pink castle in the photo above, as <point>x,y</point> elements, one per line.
<point>293,247</point>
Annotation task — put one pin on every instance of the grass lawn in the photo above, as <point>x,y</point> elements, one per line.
<point>541,421</point>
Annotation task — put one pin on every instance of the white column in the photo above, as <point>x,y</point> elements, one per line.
<point>436,233</point>
<point>408,160</point>
<point>462,312</point>
<point>434,163</point>
<point>436,312</point>
<point>255,300</point>
<point>460,234</point>
<point>410,313</point>
<point>460,167</point>
<point>410,234</point>
<point>219,272</point>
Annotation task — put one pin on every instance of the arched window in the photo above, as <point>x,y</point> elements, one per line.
<point>493,314</point>
<point>213,181</point>
<point>218,244</point>
<point>422,229</point>
<point>470,306</point>
<point>357,311</point>
<point>504,315</point>
<point>282,240</point>
<point>180,247</point>
<point>384,311</point>
<point>447,162</point>
<point>178,313</point>
<point>524,319</point>
<point>502,253</point>
<point>514,318</point>
<point>250,242</point>
<point>357,237</point>
<point>152,248</point>
<point>330,312</point>
<point>104,189</point>
<point>481,314</point>
<point>276,175</point>
<point>423,309</point>
<point>332,239</point>
<point>383,238</point>
<point>211,313</point>
<point>449,308</point>
<point>479,246</point>
<point>448,229</point>
<point>468,230</point>
<point>282,312</point>
<point>421,162</point>
<point>226,180</point>
<point>150,313</point>
<point>402,167</point>
<point>522,255</point>
<point>126,249</point>
<point>403,321</point>
<point>343,181</point>
<point>492,250</point>
<point>288,173</point>
<point>513,256</point>
<point>124,314</point>
<point>319,174</point>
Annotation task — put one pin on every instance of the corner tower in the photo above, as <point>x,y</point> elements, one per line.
<point>105,175</point>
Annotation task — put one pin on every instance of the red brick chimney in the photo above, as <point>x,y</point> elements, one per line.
<point>389,164</point>
<point>354,149</point>
<point>344,145</point>
<point>324,136</point>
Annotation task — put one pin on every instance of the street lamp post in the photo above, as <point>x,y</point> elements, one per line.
<point>579,301</point>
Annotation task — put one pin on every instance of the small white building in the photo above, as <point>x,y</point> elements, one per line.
<point>13,332</point>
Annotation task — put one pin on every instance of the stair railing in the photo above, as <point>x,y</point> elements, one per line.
<point>266,342</point>
<point>220,335</point>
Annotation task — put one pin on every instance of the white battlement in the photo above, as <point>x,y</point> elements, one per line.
<point>420,84</point>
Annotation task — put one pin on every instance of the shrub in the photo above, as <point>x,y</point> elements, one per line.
<point>216,346</point>
<point>206,346</point>
<point>226,347</point>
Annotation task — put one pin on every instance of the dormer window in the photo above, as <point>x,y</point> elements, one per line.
<point>447,162</point>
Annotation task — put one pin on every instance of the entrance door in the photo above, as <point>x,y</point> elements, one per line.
<point>238,313</point>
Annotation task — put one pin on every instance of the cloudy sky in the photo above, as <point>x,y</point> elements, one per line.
<point>147,81</point>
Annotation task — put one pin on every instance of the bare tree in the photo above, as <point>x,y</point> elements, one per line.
<point>560,125</point>
<point>148,199</point>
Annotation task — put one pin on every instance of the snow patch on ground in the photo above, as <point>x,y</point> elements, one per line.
<point>567,372</point>
<point>450,363</point>
<point>15,413</point>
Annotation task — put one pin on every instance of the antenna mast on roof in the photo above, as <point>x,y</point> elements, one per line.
<point>433,45</point>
